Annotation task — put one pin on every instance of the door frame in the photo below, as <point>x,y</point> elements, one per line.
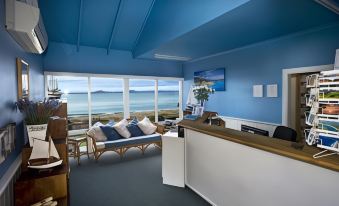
<point>285,85</point>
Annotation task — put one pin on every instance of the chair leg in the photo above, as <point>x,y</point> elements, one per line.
<point>78,153</point>
<point>74,151</point>
<point>87,148</point>
<point>121,153</point>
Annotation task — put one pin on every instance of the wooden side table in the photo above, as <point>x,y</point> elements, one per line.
<point>75,142</point>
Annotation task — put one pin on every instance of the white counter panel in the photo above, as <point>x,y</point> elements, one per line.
<point>227,173</point>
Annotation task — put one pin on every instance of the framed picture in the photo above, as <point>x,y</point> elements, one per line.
<point>214,79</point>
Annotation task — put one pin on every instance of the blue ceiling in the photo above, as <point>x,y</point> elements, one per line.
<point>253,22</point>
<point>190,28</point>
<point>98,18</point>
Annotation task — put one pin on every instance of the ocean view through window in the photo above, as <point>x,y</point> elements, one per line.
<point>92,99</point>
<point>168,99</point>
<point>141,98</point>
<point>74,91</point>
<point>106,99</point>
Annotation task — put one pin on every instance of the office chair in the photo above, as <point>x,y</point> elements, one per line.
<point>285,133</point>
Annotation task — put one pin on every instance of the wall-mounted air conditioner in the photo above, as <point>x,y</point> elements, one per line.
<point>24,23</point>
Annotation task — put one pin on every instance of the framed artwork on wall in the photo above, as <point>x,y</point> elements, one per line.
<point>23,78</point>
<point>214,79</point>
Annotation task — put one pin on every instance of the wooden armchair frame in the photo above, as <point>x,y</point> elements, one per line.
<point>122,150</point>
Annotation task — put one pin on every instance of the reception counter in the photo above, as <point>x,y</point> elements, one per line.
<point>229,167</point>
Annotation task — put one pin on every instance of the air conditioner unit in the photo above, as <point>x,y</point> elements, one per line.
<point>330,4</point>
<point>24,23</point>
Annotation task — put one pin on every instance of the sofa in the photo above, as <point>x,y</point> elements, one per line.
<point>120,146</point>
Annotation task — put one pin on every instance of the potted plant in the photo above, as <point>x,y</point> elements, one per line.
<point>36,116</point>
<point>201,93</point>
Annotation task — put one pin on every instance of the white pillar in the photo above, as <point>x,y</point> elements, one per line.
<point>156,119</point>
<point>181,115</point>
<point>126,98</point>
<point>89,102</point>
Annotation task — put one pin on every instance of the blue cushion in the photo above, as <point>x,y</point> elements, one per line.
<point>134,129</point>
<point>135,140</point>
<point>110,133</point>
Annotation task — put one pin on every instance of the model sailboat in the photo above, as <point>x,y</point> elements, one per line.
<point>44,155</point>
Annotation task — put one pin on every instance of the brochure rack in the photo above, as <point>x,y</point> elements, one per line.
<point>323,99</point>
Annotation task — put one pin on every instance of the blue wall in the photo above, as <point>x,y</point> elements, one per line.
<point>9,51</point>
<point>64,58</point>
<point>263,64</point>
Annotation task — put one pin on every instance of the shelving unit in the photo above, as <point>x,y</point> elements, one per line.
<point>301,106</point>
<point>33,185</point>
<point>323,100</point>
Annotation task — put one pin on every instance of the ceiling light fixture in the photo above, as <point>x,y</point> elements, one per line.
<point>171,57</point>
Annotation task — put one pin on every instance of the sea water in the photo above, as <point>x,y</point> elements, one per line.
<point>112,102</point>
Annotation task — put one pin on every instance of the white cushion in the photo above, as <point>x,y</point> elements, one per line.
<point>146,126</point>
<point>97,133</point>
<point>121,128</point>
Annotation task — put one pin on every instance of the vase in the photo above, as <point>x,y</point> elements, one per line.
<point>36,132</point>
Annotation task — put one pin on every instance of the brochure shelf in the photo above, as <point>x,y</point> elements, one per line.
<point>323,116</point>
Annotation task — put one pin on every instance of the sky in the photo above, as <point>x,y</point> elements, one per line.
<point>80,84</point>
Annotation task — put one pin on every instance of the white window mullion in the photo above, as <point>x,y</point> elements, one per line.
<point>46,86</point>
<point>156,119</point>
<point>181,115</point>
<point>126,98</point>
<point>89,102</point>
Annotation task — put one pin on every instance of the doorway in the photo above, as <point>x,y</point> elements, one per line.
<point>293,101</point>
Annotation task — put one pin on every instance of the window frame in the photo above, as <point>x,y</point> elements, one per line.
<point>126,98</point>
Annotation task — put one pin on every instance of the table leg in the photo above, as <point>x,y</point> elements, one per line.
<point>78,153</point>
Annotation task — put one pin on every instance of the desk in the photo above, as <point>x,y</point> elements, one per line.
<point>229,167</point>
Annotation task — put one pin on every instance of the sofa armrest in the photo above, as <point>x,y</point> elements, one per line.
<point>160,128</point>
<point>92,139</point>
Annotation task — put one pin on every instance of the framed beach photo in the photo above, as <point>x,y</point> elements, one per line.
<point>214,79</point>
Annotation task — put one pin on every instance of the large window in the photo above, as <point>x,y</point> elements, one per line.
<point>168,99</point>
<point>101,98</point>
<point>141,98</point>
<point>75,91</point>
<point>106,99</point>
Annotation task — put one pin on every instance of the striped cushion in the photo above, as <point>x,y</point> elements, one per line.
<point>133,140</point>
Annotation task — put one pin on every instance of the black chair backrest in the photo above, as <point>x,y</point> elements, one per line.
<point>285,133</point>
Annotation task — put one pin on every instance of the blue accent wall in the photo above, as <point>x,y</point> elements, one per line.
<point>64,58</point>
<point>262,64</point>
<point>9,51</point>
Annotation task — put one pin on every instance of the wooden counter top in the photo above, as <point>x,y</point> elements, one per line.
<point>276,146</point>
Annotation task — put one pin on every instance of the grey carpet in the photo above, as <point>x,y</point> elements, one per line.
<point>135,180</point>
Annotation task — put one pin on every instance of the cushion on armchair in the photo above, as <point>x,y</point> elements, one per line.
<point>146,126</point>
<point>134,129</point>
<point>121,128</point>
<point>110,133</point>
<point>97,134</point>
